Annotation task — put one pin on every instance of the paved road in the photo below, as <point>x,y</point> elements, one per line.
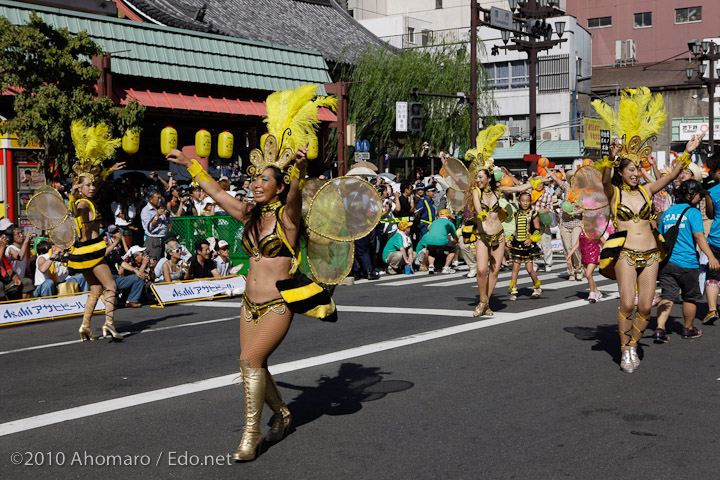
<point>406,385</point>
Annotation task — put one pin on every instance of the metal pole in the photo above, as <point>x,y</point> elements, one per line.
<point>711,90</point>
<point>532,61</point>
<point>474,9</point>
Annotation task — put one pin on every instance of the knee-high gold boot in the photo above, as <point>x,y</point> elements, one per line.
<point>254,386</point>
<point>281,424</point>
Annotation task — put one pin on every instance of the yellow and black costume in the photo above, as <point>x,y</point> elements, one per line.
<point>524,229</point>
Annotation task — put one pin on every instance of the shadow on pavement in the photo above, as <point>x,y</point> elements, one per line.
<point>342,394</point>
<point>137,327</point>
<point>605,335</point>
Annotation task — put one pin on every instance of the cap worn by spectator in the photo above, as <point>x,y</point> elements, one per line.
<point>4,224</point>
<point>698,173</point>
<point>430,189</point>
<point>419,186</point>
<point>172,246</point>
<point>112,229</point>
<point>404,224</point>
<point>134,250</point>
<point>444,213</point>
<point>223,244</point>
<point>690,188</point>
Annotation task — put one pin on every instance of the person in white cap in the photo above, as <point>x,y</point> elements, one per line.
<point>222,261</point>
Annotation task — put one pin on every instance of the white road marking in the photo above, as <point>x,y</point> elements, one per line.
<point>150,330</point>
<point>120,403</point>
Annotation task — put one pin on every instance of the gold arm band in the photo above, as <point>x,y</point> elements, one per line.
<point>298,173</point>
<point>198,172</point>
<point>106,173</point>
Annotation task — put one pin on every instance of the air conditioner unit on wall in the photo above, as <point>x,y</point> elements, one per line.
<point>631,49</point>
<point>514,131</point>
<point>619,51</point>
<point>547,136</point>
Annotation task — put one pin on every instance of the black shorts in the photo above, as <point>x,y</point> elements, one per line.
<point>713,274</point>
<point>674,279</point>
<point>439,250</point>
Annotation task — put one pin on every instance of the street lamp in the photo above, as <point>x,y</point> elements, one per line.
<point>532,33</point>
<point>706,51</point>
<point>505,36</point>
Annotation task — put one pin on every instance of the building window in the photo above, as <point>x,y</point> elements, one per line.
<point>425,37</point>
<point>687,15</point>
<point>508,75</point>
<point>352,12</point>
<point>643,20</point>
<point>411,35</point>
<point>599,22</point>
<point>438,3</point>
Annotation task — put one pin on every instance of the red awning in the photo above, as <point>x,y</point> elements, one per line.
<point>202,103</point>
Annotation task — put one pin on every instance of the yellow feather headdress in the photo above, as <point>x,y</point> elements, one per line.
<point>639,118</point>
<point>480,156</point>
<point>92,145</point>
<point>292,122</point>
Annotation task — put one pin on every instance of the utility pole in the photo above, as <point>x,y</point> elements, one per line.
<point>340,89</point>
<point>531,34</point>
<point>710,52</point>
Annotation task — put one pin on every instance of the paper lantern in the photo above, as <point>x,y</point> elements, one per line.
<point>203,143</point>
<point>131,141</point>
<point>168,139</point>
<point>226,142</point>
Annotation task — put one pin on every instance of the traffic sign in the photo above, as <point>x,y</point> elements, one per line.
<point>358,146</point>
<point>401,116</point>
<point>501,18</point>
<point>360,156</point>
<point>365,146</point>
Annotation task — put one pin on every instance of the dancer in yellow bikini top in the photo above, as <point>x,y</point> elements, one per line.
<point>633,253</point>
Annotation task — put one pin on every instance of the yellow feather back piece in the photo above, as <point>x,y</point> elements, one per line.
<point>93,143</point>
<point>640,117</point>
<point>486,141</point>
<point>291,121</point>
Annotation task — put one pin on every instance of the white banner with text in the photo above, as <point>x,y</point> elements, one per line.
<point>45,308</point>
<point>189,290</point>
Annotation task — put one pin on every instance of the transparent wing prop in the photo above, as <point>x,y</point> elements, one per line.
<point>587,191</point>
<point>456,175</point>
<point>456,199</point>
<point>311,187</point>
<point>341,211</point>
<point>46,208</point>
<point>344,209</point>
<point>64,234</point>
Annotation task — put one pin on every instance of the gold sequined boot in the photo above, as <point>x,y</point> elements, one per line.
<point>254,387</point>
<point>281,425</point>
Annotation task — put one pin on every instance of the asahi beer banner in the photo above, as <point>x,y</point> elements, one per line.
<point>45,308</point>
<point>189,290</point>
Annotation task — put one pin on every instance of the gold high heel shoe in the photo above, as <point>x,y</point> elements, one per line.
<point>283,418</point>
<point>86,333</point>
<point>109,327</point>
<point>254,386</point>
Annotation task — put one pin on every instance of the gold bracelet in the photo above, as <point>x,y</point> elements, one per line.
<point>198,172</point>
<point>295,172</point>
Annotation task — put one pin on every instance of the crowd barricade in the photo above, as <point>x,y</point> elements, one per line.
<point>223,227</point>
<point>198,289</point>
<point>37,309</point>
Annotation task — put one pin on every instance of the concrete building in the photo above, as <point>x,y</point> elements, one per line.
<point>563,72</point>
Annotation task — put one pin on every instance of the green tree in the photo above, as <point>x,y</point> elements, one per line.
<point>52,72</point>
<point>384,77</point>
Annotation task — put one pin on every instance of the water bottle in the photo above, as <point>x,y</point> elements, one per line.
<point>408,270</point>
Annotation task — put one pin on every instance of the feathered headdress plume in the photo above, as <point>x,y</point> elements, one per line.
<point>640,117</point>
<point>480,156</point>
<point>92,145</point>
<point>292,122</point>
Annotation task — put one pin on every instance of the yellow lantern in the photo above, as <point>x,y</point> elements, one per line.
<point>131,141</point>
<point>203,143</point>
<point>312,152</point>
<point>168,139</point>
<point>225,144</point>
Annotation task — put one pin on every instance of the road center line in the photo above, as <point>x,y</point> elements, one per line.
<point>106,406</point>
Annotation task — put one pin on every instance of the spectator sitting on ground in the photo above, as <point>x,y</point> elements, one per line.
<point>48,272</point>
<point>222,261</point>
<point>439,245</point>
<point>398,251</point>
<point>200,265</point>
<point>138,263</point>
<point>174,268</point>
<point>18,249</point>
